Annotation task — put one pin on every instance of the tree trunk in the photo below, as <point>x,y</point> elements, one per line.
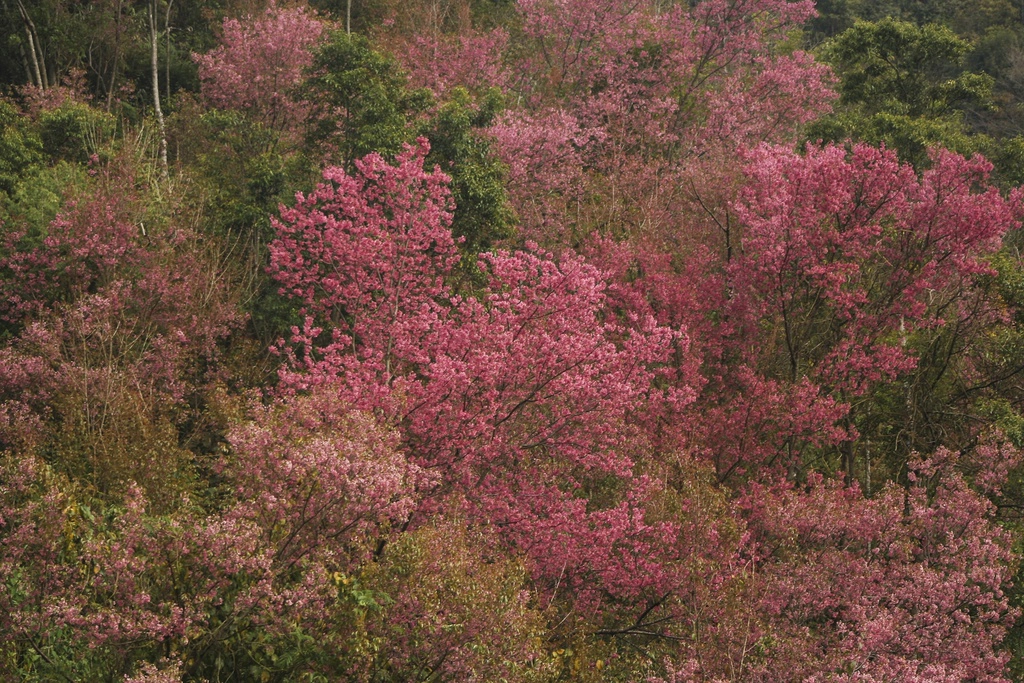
<point>34,48</point>
<point>167,51</point>
<point>155,65</point>
<point>117,57</point>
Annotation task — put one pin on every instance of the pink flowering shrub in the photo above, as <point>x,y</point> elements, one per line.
<point>657,95</point>
<point>906,585</point>
<point>545,157</point>
<point>368,252</point>
<point>313,476</point>
<point>829,584</point>
<point>112,324</point>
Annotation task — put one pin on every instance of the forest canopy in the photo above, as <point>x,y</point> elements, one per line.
<point>511,340</point>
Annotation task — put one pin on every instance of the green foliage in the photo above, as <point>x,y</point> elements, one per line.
<point>834,17</point>
<point>955,60</point>
<point>453,607</point>
<point>38,197</point>
<point>1002,349</point>
<point>492,13</point>
<point>906,10</point>
<point>1001,407</point>
<point>242,172</point>
<point>238,166</point>
<point>364,105</point>
<point>482,213</point>
<point>111,441</point>
<point>904,86</point>
<point>897,67</point>
<point>993,51</point>
<point>977,17</point>
<point>911,137</point>
<point>109,41</point>
<point>365,15</point>
<point>20,147</point>
<point>1008,158</point>
<point>74,131</point>
<point>242,168</point>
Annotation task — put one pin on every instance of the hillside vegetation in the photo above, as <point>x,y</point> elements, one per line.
<point>511,340</point>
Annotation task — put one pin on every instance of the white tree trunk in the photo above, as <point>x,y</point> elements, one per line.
<point>155,64</point>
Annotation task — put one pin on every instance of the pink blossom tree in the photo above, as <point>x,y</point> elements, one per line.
<point>909,584</point>
<point>498,395</point>
<point>260,63</point>
<point>659,94</point>
<point>472,60</point>
<point>849,256</point>
<point>365,252</point>
<point>883,252</point>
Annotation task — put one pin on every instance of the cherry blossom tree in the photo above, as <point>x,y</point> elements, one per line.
<point>260,63</point>
<point>499,394</point>
<point>646,97</point>
<point>848,257</point>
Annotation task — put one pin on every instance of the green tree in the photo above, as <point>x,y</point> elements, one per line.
<point>20,147</point>
<point>482,212</point>
<point>905,86</point>
<point>363,105</point>
<point>897,67</point>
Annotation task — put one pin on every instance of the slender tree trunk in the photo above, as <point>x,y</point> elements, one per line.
<point>348,17</point>
<point>155,67</point>
<point>167,50</point>
<point>867,463</point>
<point>849,453</point>
<point>34,48</point>
<point>24,61</point>
<point>117,57</point>
<point>848,460</point>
